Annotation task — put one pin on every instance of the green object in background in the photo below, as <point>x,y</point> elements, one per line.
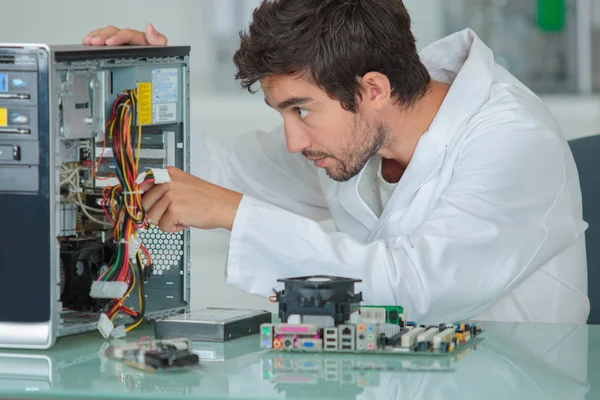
<point>551,14</point>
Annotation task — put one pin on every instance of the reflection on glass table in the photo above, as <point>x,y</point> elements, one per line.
<point>533,361</point>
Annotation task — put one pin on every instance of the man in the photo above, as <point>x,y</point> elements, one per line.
<point>452,189</point>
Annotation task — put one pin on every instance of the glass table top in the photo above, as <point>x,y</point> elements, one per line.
<point>513,361</point>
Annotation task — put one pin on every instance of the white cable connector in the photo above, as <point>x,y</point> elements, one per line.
<point>161,175</point>
<point>140,178</point>
<point>105,203</point>
<point>105,326</point>
<point>108,290</point>
<point>118,332</point>
<point>134,245</point>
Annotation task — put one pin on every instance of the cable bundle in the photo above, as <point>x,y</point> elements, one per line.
<point>122,205</point>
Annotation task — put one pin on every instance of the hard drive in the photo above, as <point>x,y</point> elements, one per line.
<point>212,324</point>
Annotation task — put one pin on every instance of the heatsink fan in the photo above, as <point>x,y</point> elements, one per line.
<point>319,296</point>
<point>323,314</point>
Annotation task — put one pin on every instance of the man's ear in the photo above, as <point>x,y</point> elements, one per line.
<point>376,90</point>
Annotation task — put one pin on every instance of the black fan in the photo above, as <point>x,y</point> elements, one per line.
<point>319,295</point>
<point>81,263</point>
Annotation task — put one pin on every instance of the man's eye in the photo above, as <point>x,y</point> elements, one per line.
<point>302,112</point>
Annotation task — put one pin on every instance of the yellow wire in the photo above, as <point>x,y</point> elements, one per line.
<point>125,132</point>
<point>137,156</point>
<point>132,327</point>
<point>128,292</point>
<point>125,137</point>
<point>133,199</point>
<point>139,297</point>
<point>119,216</point>
<point>129,189</point>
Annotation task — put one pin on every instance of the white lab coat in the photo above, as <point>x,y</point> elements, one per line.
<point>485,223</point>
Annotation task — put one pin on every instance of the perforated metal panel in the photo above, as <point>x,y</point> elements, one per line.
<point>166,249</point>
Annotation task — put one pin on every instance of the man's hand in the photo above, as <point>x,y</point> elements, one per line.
<point>112,36</point>
<point>188,201</point>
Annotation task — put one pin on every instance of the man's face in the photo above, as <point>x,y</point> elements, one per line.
<point>318,127</point>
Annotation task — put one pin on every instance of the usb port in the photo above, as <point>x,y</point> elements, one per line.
<point>346,347</point>
<point>346,340</point>
<point>331,346</point>
<point>331,339</point>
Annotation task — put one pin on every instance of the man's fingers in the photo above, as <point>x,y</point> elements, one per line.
<point>127,36</point>
<point>154,37</point>
<point>170,223</point>
<point>87,40</point>
<point>175,172</point>
<point>154,195</point>
<point>166,223</point>
<point>146,187</point>
<point>157,212</point>
<point>113,36</point>
<point>99,39</point>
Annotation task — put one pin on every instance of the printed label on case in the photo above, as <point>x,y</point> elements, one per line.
<point>144,103</point>
<point>164,85</point>
<point>165,112</point>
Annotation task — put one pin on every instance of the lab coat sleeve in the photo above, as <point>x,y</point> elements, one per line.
<point>258,164</point>
<point>506,211</point>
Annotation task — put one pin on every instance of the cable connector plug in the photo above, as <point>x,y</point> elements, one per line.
<point>161,175</point>
<point>134,245</point>
<point>108,290</point>
<point>119,332</point>
<point>105,326</point>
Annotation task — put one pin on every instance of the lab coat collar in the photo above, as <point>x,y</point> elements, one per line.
<point>465,62</point>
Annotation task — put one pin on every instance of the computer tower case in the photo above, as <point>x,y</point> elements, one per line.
<point>78,124</point>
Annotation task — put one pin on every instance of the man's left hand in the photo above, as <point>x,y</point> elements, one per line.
<point>188,201</point>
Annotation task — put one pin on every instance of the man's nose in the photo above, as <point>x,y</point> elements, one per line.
<point>295,138</point>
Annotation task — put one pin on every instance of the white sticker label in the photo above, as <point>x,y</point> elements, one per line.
<point>165,112</point>
<point>164,85</point>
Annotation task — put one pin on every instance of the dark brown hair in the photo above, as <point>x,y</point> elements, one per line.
<point>333,43</point>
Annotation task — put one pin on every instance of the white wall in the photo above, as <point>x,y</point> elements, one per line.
<point>191,22</point>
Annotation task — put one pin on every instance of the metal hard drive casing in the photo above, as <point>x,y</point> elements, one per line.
<point>212,324</point>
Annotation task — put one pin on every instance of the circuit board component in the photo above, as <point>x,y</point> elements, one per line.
<point>368,337</point>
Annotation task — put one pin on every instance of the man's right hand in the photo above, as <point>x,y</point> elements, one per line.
<point>112,36</point>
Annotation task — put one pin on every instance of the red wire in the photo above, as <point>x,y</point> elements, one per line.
<point>129,311</point>
<point>147,254</point>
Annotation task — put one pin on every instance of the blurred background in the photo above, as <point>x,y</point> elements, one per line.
<point>553,46</point>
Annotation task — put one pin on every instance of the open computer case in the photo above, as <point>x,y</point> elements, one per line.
<point>82,128</point>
